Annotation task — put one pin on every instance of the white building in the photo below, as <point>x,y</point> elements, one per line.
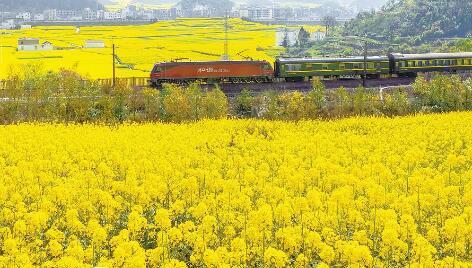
<point>68,14</point>
<point>256,12</point>
<point>164,13</point>
<point>317,36</point>
<point>8,24</point>
<point>201,11</point>
<point>89,14</point>
<point>32,44</point>
<point>50,14</point>
<point>47,46</point>
<point>59,14</point>
<point>26,16</point>
<point>129,12</point>
<point>28,44</point>
<point>291,37</point>
<point>109,15</point>
<point>94,44</point>
<point>38,17</point>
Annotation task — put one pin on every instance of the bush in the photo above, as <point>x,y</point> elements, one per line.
<point>443,93</point>
<point>342,103</point>
<point>65,96</point>
<point>244,104</point>
<point>315,101</point>
<point>396,103</point>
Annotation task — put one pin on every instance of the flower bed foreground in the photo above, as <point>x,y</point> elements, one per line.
<point>355,192</point>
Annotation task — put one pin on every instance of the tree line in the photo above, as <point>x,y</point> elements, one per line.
<point>415,21</point>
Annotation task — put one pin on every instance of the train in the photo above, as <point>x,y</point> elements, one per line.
<point>303,69</point>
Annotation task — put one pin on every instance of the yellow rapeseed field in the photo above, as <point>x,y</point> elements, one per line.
<point>137,47</point>
<point>360,192</point>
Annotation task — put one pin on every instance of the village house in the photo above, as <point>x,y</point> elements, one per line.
<point>94,44</point>
<point>47,46</point>
<point>28,44</point>
<point>32,44</point>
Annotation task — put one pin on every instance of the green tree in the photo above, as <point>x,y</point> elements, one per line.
<point>303,37</point>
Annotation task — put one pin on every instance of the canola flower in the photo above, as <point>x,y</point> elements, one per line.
<point>360,192</point>
<point>138,47</point>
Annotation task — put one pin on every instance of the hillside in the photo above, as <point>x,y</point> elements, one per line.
<point>46,4</point>
<point>417,21</point>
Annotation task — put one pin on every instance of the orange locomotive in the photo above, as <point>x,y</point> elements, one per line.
<point>212,72</point>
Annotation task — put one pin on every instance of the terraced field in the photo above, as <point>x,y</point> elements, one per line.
<point>137,47</point>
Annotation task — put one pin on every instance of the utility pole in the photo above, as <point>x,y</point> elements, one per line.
<point>1,44</point>
<point>226,49</point>
<point>114,70</point>
<point>364,77</point>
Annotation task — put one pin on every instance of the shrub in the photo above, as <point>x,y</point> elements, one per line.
<point>244,104</point>
<point>65,96</point>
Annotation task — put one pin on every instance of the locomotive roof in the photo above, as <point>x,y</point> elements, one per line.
<point>324,60</point>
<point>212,62</point>
<point>432,56</point>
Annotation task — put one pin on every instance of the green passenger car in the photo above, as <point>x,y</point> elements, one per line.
<point>412,64</point>
<point>306,68</point>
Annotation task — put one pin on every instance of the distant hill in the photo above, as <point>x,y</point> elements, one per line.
<point>415,20</point>
<point>32,5</point>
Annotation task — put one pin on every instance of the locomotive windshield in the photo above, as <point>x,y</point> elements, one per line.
<point>157,69</point>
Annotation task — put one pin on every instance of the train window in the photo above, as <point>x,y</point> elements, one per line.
<point>435,63</point>
<point>447,62</point>
<point>413,64</point>
<point>406,63</point>
<point>342,66</point>
<point>441,62</point>
<point>420,63</point>
<point>294,67</point>
<point>266,67</point>
<point>325,66</point>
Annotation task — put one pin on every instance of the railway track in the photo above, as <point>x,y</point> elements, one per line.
<point>235,89</point>
<point>232,90</point>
